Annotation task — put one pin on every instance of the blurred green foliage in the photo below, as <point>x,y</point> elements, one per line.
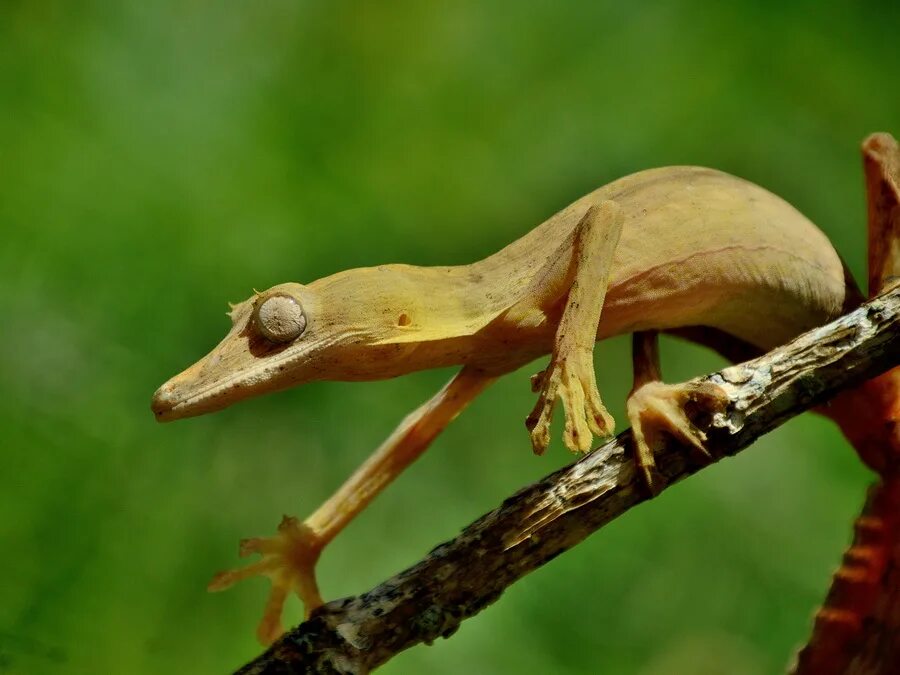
<point>159,159</point>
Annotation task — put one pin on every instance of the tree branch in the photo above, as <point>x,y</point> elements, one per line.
<point>461,577</point>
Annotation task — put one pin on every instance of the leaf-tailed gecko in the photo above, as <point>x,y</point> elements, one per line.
<point>685,249</point>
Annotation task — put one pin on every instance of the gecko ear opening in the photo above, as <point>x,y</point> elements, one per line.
<point>279,317</point>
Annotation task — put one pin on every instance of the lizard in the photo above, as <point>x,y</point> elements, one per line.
<point>686,250</point>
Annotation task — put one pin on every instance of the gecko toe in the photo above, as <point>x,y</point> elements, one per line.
<point>538,425</point>
<point>539,421</point>
<point>270,627</point>
<point>601,422</point>
<point>577,433</point>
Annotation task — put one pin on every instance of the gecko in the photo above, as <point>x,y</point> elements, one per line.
<point>686,250</point>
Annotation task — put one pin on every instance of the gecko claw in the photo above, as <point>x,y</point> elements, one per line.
<point>655,409</point>
<point>288,560</point>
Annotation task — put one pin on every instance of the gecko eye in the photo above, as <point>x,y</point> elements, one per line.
<point>280,318</point>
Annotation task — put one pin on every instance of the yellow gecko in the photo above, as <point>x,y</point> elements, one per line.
<point>687,250</point>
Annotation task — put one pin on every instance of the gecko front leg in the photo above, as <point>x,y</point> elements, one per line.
<point>570,374</point>
<point>290,556</point>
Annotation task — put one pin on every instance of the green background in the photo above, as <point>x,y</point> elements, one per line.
<point>160,159</point>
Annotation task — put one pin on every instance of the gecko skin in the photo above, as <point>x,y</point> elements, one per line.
<point>669,249</point>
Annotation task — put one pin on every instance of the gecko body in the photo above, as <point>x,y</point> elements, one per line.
<point>698,248</point>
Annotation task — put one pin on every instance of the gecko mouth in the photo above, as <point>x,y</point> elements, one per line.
<point>230,373</point>
<point>170,404</point>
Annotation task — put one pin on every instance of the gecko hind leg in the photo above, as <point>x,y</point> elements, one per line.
<point>570,374</point>
<point>656,409</point>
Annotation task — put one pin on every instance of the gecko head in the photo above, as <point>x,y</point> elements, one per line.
<point>340,327</point>
<point>274,342</point>
<point>358,324</point>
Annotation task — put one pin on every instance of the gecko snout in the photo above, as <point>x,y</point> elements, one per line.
<point>187,395</point>
<point>163,402</point>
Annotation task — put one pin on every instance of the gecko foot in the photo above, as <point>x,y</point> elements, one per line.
<point>289,560</point>
<point>570,378</point>
<point>656,408</point>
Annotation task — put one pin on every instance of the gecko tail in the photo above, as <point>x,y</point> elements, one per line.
<point>857,626</point>
<point>852,611</point>
<point>857,631</point>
